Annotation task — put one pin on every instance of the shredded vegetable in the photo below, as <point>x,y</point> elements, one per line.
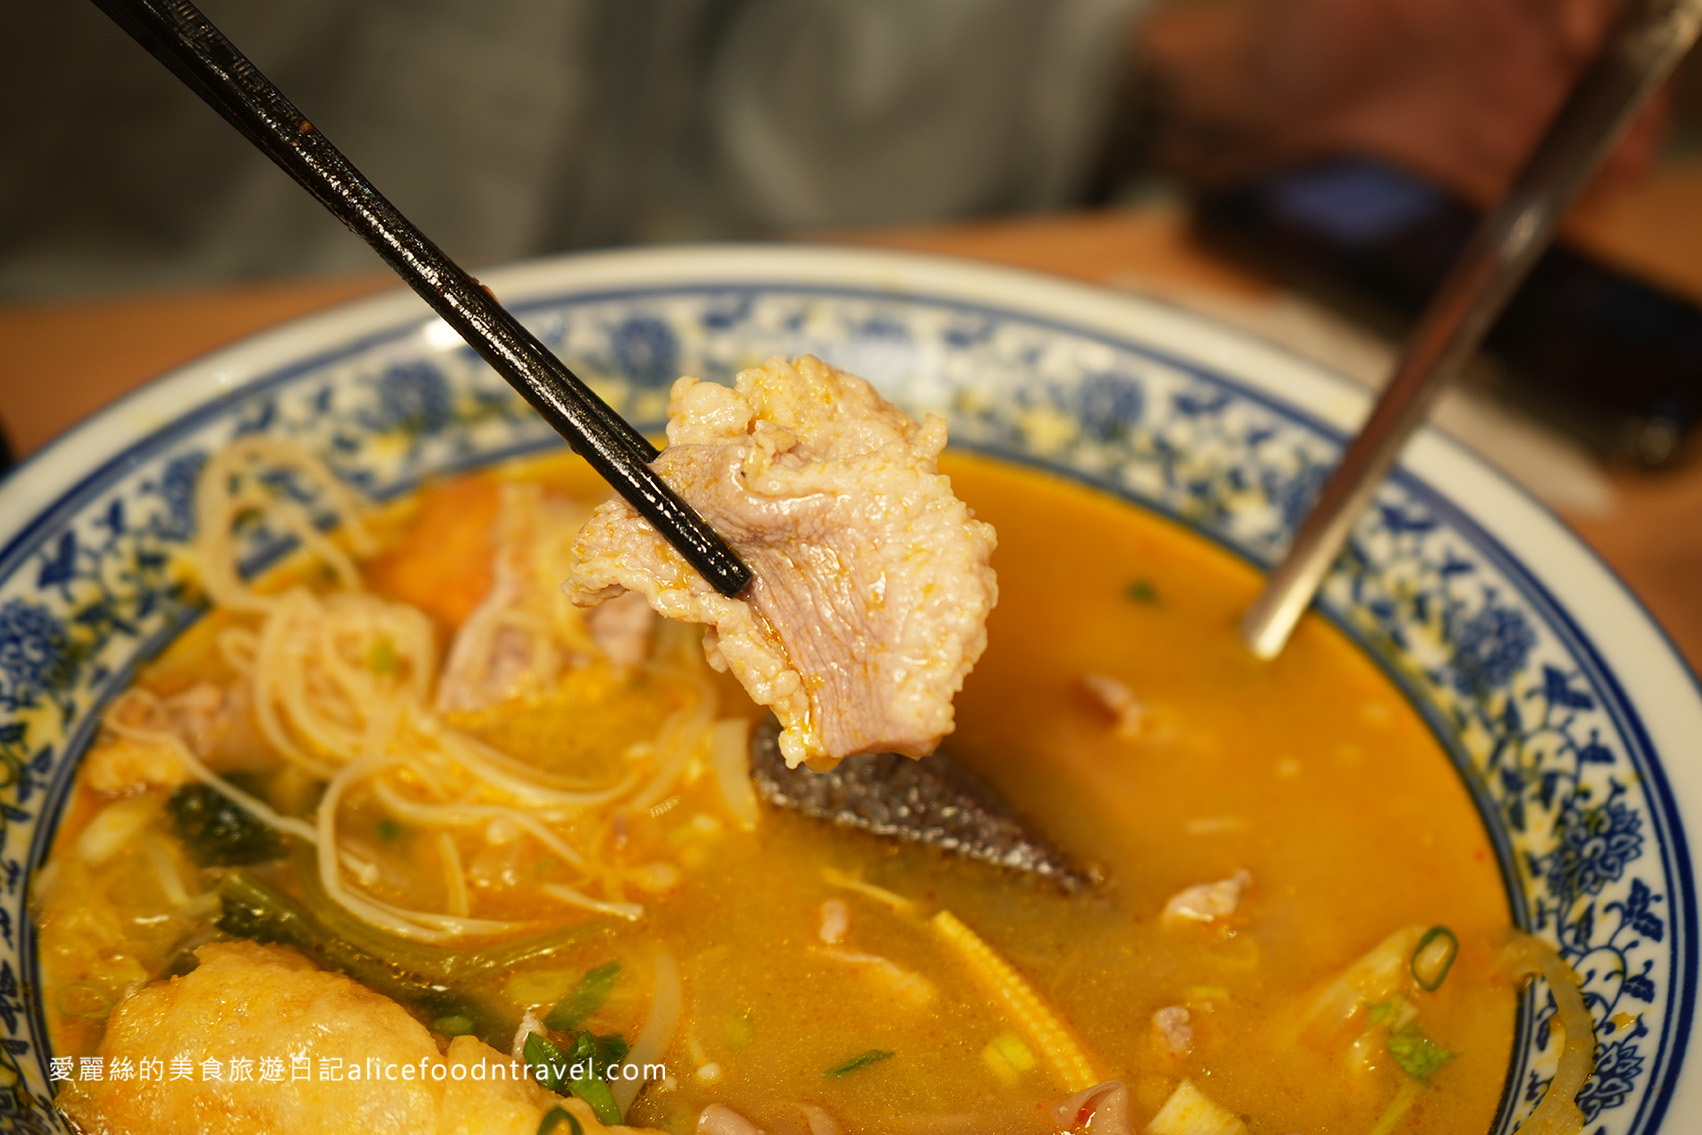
<point>896,902</point>
<point>659,1026</point>
<point>1405,1097</point>
<point>1558,1113</point>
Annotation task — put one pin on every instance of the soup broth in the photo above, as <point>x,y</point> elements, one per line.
<point>816,966</point>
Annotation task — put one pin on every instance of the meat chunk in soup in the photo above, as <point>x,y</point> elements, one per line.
<point>253,1002</point>
<point>1208,903</point>
<point>524,635</point>
<point>139,748</point>
<point>872,584</point>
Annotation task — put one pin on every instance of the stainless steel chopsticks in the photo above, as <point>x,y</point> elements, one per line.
<point>178,35</point>
<point>1640,52</point>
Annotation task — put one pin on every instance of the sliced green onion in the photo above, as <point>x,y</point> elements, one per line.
<point>1141,591</point>
<point>541,1053</point>
<point>612,1048</point>
<point>1434,957</point>
<point>741,1029</point>
<point>453,1025</point>
<point>592,1053</point>
<point>555,1117</point>
<point>596,1092</point>
<point>861,1060</point>
<point>381,658</point>
<point>585,998</point>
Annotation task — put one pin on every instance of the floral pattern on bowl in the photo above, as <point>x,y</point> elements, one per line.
<point>1549,737</point>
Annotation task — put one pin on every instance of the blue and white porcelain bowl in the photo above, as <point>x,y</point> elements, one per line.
<point>1570,716</point>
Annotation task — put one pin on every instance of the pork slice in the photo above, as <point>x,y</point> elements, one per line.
<point>215,723</point>
<point>872,583</point>
<point>523,635</point>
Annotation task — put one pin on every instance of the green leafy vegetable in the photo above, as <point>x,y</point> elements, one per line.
<point>445,966</point>
<point>1418,1055</point>
<point>1141,591</point>
<point>259,911</point>
<point>555,1117</point>
<point>586,998</point>
<point>1434,957</point>
<point>217,831</point>
<point>861,1060</point>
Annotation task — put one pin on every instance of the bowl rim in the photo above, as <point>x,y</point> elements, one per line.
<point>348,325</point>
<point>1616,630</point>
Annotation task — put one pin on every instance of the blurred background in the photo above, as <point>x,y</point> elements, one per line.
<point>512,128</point>
<point>1304,169</point>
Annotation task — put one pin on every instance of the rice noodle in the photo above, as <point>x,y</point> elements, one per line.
<point>228,488</point>
<point>728,742</point>
<point>424,926</point>
<point>891,899</point>
<point>510,776</point>
<point>630,911</point>
<point>342,682</point>
<point>1558,1112</point>
<point>454,876</point>
<point>659,1025</point>
<point>470,815</point>
<point>683,734</point>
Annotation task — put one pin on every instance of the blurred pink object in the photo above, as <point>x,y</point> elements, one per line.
<point>1456,90</point>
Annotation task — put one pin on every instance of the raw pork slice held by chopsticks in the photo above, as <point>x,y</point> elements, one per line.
<point>872,583</point>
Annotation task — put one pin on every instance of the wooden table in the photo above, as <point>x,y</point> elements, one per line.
<point>59,363</point>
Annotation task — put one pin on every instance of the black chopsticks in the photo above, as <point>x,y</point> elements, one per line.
<point>178,35</point>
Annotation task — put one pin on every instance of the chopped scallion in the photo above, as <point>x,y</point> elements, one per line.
<point>861,1060</point>
<point>381,658</point>
<point>544,1057</point>
<point>389,831</point>
<point>585,998</point>
<point>741,1029</point>
<point>596,1092</point>
<point>1434,957</point>
<point>1141,591</point>
<point>454,1025</point>
<point>555,1117</point>
<point>1418,1055</point>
